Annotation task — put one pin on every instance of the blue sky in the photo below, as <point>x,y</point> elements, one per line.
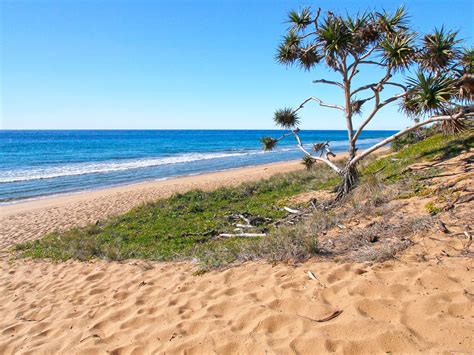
<point>139,64</point>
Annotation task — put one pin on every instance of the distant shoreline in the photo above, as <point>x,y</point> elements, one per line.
<point>138,184</point>
<point>246,173</point>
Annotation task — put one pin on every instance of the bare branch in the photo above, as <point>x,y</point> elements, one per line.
<point>371,62</point>
<point>307,35</point>
<point>370,116</point>
<point>405,131</point>
<point>396,84</point>
<point>284,135</point>
<point>393,98</point>
<point>320,102</point>
<point>326,161</point>
<point>315,21</point>
<point>377,86</point>
<point>378,105</point>
<point>324,81</point>
<point>358,60</point>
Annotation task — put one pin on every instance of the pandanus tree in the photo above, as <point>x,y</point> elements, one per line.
<point>430,77</point>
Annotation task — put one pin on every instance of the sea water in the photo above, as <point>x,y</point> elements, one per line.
<point>34,164</point>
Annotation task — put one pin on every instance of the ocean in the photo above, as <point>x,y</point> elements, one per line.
<point>35,164</point>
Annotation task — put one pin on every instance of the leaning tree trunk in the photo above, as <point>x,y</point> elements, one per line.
<point>350,178</point>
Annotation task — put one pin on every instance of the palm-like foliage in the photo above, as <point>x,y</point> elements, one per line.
<point>334,38</point>
<point>268,143</point>
<point>356,106</point>
<point>392,24</point>
<point>308,162</point>
<point>428,94</point>
<point>300,20</point>
<point>286,118</point>
<point>363,32</point>
<point>439,50</point>
<point>466,60</point>
<point>309,57</point>
<point>288,50</point>
<point>398,50</point>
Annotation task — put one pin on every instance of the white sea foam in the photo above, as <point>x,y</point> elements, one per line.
<point>107,167</point>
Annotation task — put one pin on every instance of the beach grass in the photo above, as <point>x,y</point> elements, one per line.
<point>185,226</point>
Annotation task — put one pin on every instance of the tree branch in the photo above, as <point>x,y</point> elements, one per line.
<point>326,161</point>
<point>405,131</point>
<point>318,12</point>
<point>370,116</point>
<point>377,86</point>
<point>320,102</point>
<point>357,60</point>
<point>371,62</point>
<point>324,81</point>
<point>396,84</point>
<point>307,34</point>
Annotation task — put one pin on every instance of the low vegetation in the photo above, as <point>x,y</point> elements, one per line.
<point>189,226</point>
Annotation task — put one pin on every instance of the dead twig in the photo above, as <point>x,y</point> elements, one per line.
<point>241,235</point>
<point>335,314</point>
<point>291,210</point>
<point>442,227</point>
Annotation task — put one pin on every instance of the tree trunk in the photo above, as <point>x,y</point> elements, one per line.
<point>350,178</point>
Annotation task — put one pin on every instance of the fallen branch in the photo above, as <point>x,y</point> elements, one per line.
<point>238,225</point>
<point>328,318</point>
<point>241,235</point>
<point>465,198</point>
<point>246,220</point>
<point>291,210</point>
<point>442,227</point>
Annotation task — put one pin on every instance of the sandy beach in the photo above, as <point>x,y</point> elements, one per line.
<point>420,302</point>
<point>32,219</point>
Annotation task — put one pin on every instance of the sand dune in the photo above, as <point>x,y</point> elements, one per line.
<point>420,302</point>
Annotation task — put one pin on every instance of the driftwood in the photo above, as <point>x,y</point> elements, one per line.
<point>291,210</point>
<point>238,225</point>
<point>241,235</point>
<point>442,227</point>
<point>326,319</point>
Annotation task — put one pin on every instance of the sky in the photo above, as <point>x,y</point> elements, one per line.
<point>143,64</point>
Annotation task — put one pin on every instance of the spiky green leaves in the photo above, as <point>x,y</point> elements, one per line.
<point>286,118</point>
<point>291,51</point>
<point>439,50</point>
<point>334,37</point>
<point>454,126</point>
<point>308,162</point>
<point>356,106</point>
<point>398,50</point>
<point>428,94</point>
<point>363,31</point>
<point>268,143</point>
<point>467,60</point>
<point>309,57</point>
<point>391,24</point>
<point>301,19</point>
